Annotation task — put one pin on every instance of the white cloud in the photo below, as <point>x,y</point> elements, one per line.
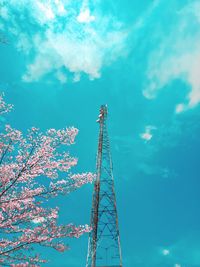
<point>60,7</point>
<point>85,17</point>
<point>24,43</point>
<point>46,10</point>
<point>147,135</point>
<point>165,252</point>
<point>86,54</point>
<point>180,108</point>
<point>67,40</point>
<point>178,57</point>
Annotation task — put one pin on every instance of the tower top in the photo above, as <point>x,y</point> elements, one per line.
<point>103,113</point>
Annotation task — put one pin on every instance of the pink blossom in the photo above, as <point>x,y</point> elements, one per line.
<point>4,107</point>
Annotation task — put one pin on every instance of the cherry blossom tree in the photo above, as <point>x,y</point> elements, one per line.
<point>30,167</point>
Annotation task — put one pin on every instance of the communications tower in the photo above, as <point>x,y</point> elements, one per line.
<point>104,243</point>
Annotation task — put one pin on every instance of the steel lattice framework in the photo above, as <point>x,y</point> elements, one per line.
<point>104,243</point>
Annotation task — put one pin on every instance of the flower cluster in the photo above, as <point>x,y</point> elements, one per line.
<point>4,107</point>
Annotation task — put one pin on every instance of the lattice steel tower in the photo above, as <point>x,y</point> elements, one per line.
<point>104,243</point>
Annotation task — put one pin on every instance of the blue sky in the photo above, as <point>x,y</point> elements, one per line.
<point>64,59</point>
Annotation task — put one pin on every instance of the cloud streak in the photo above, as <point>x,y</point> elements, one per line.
<point>177,57</point>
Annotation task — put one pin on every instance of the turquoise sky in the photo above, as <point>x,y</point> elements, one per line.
<point>64,59</point>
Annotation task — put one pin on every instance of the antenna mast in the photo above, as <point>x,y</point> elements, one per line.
<point>104,248</point>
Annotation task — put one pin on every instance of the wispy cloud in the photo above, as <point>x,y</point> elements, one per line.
<point>64,34</point>
<point>148,133</point>
<point>79,53</point>
<point>185,252</point>
<point>165,252</point>
<point>143,19</point>
<point>178,57</point>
